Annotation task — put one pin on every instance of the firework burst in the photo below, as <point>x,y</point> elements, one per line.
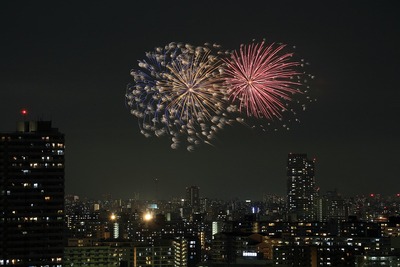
<point>194,86</point>
<point>178,92</point>
<point>143,97</point>
<point>189,93</point>
<point>262,79</point>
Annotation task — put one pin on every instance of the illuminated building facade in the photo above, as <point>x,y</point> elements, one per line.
<point>181,252</point>
<point>301,190</point>
<point>97,256</point>
<point>32,195</point>
<point>229,247</point>
<point>159,254</point>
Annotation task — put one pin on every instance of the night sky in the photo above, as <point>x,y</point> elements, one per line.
<point>70,62</point>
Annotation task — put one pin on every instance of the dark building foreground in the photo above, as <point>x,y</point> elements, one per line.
<point>32,195</point>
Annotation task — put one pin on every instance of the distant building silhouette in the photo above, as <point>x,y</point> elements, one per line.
<point>301,190</point>
<point>32,195</point>
<point>331,206</point>
<point>193,197</point>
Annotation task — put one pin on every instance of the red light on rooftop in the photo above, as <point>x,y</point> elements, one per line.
<point>372,195</point>
<point>24,111</point>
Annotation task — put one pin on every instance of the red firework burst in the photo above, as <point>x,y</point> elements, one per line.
<point>262,79</point>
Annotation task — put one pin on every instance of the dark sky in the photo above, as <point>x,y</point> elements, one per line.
<point>70,62</point>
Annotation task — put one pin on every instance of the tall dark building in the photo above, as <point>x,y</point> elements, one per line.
<point>301,189</point>
<point>32,195</point>
<point>193,197</point>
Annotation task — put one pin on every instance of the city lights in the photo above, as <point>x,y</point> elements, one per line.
<point>147,216</point>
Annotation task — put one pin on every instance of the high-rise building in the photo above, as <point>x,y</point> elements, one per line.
<point>331,207</point>
<point>32,195</point>
<point>301,189</point>
<point>193,197</point>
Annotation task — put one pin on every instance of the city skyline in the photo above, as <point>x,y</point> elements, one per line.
<point>71,64</point>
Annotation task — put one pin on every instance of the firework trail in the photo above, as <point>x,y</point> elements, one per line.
<point>178,92</point>
<point>262,80</point>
